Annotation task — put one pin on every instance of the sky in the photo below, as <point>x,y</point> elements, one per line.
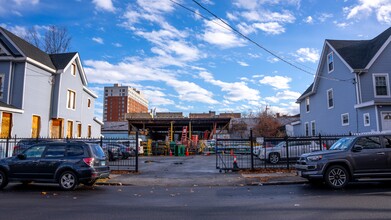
<point>185,59</point>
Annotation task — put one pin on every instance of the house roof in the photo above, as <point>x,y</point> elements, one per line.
<point>30,50</point>
<point>358,53</point>
<point>61,60</point>
<point>306,92</point>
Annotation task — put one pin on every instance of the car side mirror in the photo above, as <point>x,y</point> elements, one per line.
<point>357,148</point>
<point>21,156</point>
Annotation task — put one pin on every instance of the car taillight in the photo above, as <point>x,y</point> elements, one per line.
<point>89,161</point>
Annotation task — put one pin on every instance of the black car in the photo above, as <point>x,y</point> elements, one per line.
<point>349,159</point>
<point>65,163</point>
<point>26,143</point>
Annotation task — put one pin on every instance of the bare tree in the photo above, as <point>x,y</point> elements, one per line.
<point>55,39</point>
<point>268,126</point>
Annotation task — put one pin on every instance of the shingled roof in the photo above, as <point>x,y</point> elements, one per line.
<point>54,61</point>
<point>358,53</point>
<point>305,93</point>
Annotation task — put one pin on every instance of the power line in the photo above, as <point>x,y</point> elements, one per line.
<point>231,28</point>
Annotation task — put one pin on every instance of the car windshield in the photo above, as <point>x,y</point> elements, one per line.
<point>342,144</point>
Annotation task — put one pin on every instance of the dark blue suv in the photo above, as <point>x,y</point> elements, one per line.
<point>65,163</point>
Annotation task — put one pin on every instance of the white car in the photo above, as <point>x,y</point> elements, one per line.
<point>296,148</point>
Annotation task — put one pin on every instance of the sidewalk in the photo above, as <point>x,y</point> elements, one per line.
<point>195,171</point>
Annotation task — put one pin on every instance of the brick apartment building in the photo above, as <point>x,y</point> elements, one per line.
<point>120,100</point>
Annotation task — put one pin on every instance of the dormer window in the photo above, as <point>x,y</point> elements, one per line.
<point>330,62</point>
<point>73,69</point>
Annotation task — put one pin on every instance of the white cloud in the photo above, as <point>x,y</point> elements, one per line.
<point>243,63</point>
<point>307,55</point>
<point>270,27</point>
<point>98,40</point>
<point>106,5</point>
<point>309,20</point>
<point>278,82</point>
<point>24,2</point>
<point>324,17</point>
<point>283,95</point>
<point>117,45</point>
<point>236,91</point>
<point>217,33</point>
<point>157,98</point>
<point>272,59</point>
<point>365,8</point>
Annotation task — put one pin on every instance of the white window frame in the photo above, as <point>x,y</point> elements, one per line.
<point>2,76</point>
<point>328,66</point>
<point>342,116</point>
<point>369,119</point>
<point>71,105</point>
<point>307,104</point>
<point>306,129</point>
<point>313,128</point>
<point>387,84</point>
<point>328,98</point>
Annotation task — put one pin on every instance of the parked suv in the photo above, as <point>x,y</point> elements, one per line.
<point>295,149</point>
<point>348,159</point>
<point>26,143</point>
<point>65,163</point>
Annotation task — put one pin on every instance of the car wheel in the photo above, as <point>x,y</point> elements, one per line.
<point>337,177</point>
<point>3,179</point>
<point>68,180</point>
<point>274,158</point>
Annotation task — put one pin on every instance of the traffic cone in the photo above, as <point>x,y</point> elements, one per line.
<point>187,152</point>
<point>170,153</point>
<point>235,165</point>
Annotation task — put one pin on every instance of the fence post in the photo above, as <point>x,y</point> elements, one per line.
<point>287,152</point>
<point>6,147</point>
<point>216,152</point>
<point>137,151</point>
<point>251,149</point>
<point>101,142</point>
<point>320,142</point>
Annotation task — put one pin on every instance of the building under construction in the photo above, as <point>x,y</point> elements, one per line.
<point>168,128</point>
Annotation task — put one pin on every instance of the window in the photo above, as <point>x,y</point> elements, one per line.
<point>2,76</point>
<point>306,129</point>
<point>71,99</point>
<point>307,104</point>
<point>330,62</point>
<point>330,98</point>
<point>367,121</point>
<point>73,69</point>
<point>345,119</point>
<point>313,128</point>
<point>89,131</point>
<point>55,151</point>
<point>79,130</point>
<point>89,103</point>
<point>70,129</point>
<point>34,152</point>
<point>369,142</point>
<point>381,84</point>
<point>36,126</point>
<point>73,151</point>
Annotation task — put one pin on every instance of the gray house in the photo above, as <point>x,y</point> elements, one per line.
<point>43,95</point>
<point>351,89</point>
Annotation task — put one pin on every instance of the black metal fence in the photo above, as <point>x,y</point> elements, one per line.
<point>123,153</point>
<point>282,153</point>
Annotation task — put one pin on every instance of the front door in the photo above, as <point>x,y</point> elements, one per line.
<point>27,167</point>
<point>36,126</point>
<point>57,128</point>
<point>70,129</point>
<point>6,123</point>
<point>386,121</point>
<point>372,158</point>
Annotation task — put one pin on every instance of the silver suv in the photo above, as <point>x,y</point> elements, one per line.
<point>349,159</point>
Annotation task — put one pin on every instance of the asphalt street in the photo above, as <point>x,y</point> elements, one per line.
<point>299,201</point>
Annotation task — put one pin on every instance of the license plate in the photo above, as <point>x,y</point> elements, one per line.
<point>103,163</point>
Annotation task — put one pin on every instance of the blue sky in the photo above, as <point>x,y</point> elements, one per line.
<point>183,62</point>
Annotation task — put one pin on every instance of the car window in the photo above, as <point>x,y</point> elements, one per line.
<point>75,150</point>
<point>55,151</point>
<point>387,141</point>
<point>369,142</point>
<point>97,150</point>
<point>34,152</point>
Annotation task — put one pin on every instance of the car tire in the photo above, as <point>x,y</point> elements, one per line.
<point>274,158</point>
<point>68,180</point>
<point>3,179</point>
<point>336,177</point>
